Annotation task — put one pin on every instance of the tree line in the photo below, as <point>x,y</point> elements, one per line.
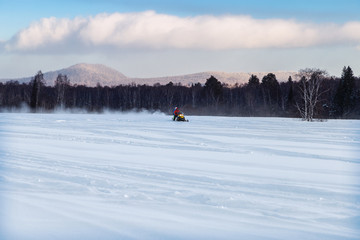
<point>312,95</point>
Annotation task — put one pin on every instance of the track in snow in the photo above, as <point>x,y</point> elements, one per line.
<point>143,176</point>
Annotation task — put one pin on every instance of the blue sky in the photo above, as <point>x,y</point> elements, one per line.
<point>315,18</point>
<point>17,14</point>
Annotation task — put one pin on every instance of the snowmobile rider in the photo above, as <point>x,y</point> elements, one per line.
<point>176,113</point>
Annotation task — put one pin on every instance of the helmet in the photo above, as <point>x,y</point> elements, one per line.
<point>176,107</point>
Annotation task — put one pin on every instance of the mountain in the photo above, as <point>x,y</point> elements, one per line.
<point>224,77</point>
<point>88,74</point>
<point>83,74</point>
<point>92,74</point>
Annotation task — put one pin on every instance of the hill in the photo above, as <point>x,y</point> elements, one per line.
<point>224,77</point>
<point>82,74</point>
<point>92,74</point>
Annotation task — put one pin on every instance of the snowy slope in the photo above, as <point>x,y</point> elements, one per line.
<point>142,176</point>
<point>82,74</point>
<point>92,74</point>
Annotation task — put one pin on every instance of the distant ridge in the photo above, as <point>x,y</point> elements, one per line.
<point>92,74</point>
<point>224,77</point>
<point>83,74</point>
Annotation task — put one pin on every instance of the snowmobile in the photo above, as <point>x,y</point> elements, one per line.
<point>180,118</point>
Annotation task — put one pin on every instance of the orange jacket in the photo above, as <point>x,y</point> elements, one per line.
<point>176,112</point>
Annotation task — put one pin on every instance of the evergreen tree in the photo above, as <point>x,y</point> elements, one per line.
<point>290,98</point>
<point>253,81</point>
<point>344,100</point>
<point>214,90</point>
<point>270,90</point>
<point>251,94</point>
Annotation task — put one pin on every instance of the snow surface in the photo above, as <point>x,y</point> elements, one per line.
<point>143,176</point>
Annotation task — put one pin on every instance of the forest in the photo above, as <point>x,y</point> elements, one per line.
<point>313,95</point>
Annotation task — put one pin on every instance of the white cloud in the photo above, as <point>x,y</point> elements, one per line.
<point>46,31</point>
<point>155,31</point>
<point>351,31</point>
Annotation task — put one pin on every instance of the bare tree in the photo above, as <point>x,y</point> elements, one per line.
<point>195,91</point>
<point>310,82</point>
<point>61,83</point>
<point>37,82</point>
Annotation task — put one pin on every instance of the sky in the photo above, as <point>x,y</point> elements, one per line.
<point>153,38</point>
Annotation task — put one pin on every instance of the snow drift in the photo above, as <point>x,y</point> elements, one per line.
<point>143,176</point>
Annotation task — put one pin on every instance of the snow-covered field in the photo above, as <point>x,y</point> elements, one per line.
<point>143,176</point>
